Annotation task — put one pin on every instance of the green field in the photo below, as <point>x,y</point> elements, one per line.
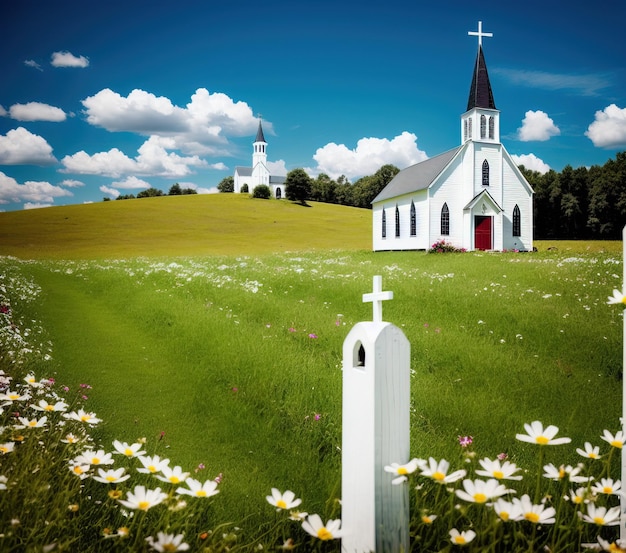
<point>220,340</point>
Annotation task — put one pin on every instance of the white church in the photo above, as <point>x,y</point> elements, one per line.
<point>259,173</point>
<point>473,196</point>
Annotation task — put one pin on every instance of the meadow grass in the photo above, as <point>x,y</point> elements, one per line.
<point>226,355</point>
<point>233,363</point>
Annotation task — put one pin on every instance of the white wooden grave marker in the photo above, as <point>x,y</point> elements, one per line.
<point>375,433</point>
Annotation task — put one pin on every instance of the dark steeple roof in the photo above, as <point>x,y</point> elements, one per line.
<point>259,134</point>
<point>480,95</point>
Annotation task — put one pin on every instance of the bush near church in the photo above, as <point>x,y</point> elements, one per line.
<point>262,191</point>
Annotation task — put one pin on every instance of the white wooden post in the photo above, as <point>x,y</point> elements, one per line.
<point>375,433</point>
<point>622,526</point>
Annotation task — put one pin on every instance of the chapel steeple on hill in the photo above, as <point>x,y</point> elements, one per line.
<point>480,95</point>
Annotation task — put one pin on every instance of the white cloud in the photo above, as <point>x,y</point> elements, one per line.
<point>72,183</point>
<point>110,191</point>
<point>36,111</point>
<point>32,205</point>
<point>609,128</point>
<point>31,191</point>
<point>131,182</point>
<point>532,162</point>
<point>219,166</point>
<point>67,59</point>
<point>33,63</point>
<point>536,125</point>
<point>153,160</point>
<point>277,167</point>
<point>3,112</point>
<point>587,84</point>
<point>369,155</point>
<point>21,147</point>
<point>202,127</point>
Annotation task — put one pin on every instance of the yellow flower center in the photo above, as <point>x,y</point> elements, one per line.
<point>32,424</point>
<point>532,517</point>
<point>427,520</point>
<point>402,470</point>
<point>174,480</point>
<point>169,547</point>
<point>115,494</point>
<point>617,444</point>
<point>152,468</point>
<point>281,504</point>
<point>85,418</point>
<point>459,540</point>
<point>561,473</point>
<point>593,455</point>
<point>324,534</point>
<point>143,505</point>
<point>542,440</point>
<point>13,396</point>
<point>607,489</point>
<point>110,478</point>
<point>78,470</point>
<point>4,449</point>
<point>624,299</point>
<point>439,476</point>
<point>201,493</point>
<point>599,521</point>
<point>498,474</point>
<point>49,408</point>
<point>123,531</point>
<point>95,461</point>
<point>128,452</point>
<point>480,497</point>
<point>577,499</point>
<point>504,515</point>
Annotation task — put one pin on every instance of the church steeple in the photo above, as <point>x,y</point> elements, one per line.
<point>260,172</point>
<point>480,95</point>
<point>481,121</point>
<point>259,134</point>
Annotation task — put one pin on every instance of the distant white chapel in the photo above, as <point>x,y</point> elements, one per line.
<point>259,173</point>
<point>473,196</point>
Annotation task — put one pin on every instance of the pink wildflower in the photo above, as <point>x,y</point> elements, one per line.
<point>312,335</point>
<point>465,441</point>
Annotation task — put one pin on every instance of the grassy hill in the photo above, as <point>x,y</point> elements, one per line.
<point>181,226</point>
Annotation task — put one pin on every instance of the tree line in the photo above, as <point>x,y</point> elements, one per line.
<point>175,190</point>
<point>580,204</point>
<point>576,204</point>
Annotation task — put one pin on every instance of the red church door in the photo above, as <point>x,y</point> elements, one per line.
<point>482,232</point>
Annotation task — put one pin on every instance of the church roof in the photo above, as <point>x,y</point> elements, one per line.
<point>416,177</point>
<point>259,134</point>
<point>480,95</point>
<point>243,171</point>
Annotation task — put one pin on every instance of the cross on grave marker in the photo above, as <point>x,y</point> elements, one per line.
<point>377,297</point>
<point>480,33</point>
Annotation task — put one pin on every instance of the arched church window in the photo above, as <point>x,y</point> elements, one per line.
<point>491,128</point>
<point>384,224</point>
<point>279,193</point>
<point>517,221</point>
<point>485,173</point>
<point>397,222</point>
<point>413,220</point>
<point>445,220</point>
<point>483,126</point>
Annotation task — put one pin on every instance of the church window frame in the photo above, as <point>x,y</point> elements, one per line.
<point>445,220</point>
<point>384,224</point>
<point>469,128</point>
<point>397,222</point>
<point>483,126</point>
<point>413,219</point>
<point>492,127</point>
<point>465,130</point>
<point>485,173</point>
<point>517,221</point>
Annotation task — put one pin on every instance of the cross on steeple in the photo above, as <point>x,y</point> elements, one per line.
<point>377,297</point>
<point>480,33</point>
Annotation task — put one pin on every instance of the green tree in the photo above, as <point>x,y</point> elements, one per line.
<point>189,191</point>
<point>298,186</point>
<point>262,191</point>
<point>175,190</point>
<point>323,189</point>
<point>150,193</point>
<point>227,184</point>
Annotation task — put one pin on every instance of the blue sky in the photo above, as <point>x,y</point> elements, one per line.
<point>99,99</point>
